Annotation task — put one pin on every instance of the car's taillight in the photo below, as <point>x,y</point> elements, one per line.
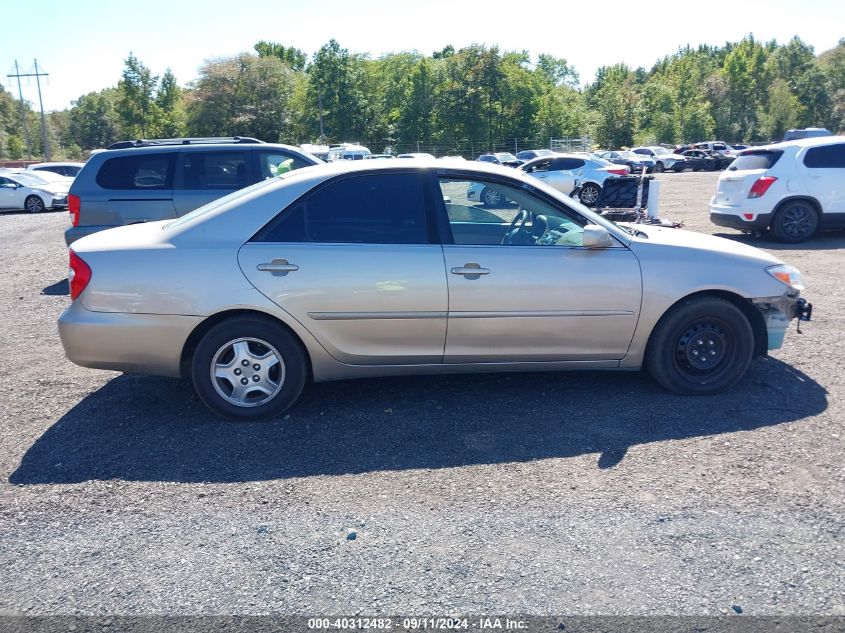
<point>759,188</point>
<point>73,205</point>
<point>619,171</point>
<point>79,275</point>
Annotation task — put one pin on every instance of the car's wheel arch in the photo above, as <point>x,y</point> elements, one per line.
<point>755,318</point>
<point>802,198</point>
<point>202,328</point>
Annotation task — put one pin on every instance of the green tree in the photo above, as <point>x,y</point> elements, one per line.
<point>168,115</point>
<point>245,95</point>
<point>291,56</point>
<point>336,80</point>
<point>136,93</point>
<point>93,121</point>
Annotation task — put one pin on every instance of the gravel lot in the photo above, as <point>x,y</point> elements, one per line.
<point>557,493</point>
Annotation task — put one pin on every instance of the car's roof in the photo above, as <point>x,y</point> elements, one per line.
<point>56,164</point>
<point>199,147</point>
<point>803,142</point>
<point>328,170</point>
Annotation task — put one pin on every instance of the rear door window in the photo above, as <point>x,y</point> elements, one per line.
<point>755,159</point>
<point>215,170</point>
<point>367,209</point>
<point>826,157</point>
<point>144,171</point>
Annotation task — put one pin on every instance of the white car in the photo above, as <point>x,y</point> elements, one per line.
<point>415,155</point>
<point>563,172</point>
<point>663,158</point>
<point>792,188</point>
<point>62,169</point>
<point>33,192</point>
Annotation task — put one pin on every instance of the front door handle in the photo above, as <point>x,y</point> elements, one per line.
<point>278,267</point>
<point>470,270</point>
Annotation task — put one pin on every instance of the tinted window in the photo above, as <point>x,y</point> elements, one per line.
<point>567,164</point>
<point>215,170</point>
<point>370,209</point>
<point>150,171</point>
<point>826,157</point>
<point>755,159</point>
<point>275,163</point>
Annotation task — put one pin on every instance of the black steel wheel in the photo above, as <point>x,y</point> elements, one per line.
<point>700,347</point>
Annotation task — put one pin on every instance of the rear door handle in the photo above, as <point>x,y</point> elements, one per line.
<point>278,267</point>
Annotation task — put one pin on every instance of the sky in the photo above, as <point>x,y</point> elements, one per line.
<point>83,44</point>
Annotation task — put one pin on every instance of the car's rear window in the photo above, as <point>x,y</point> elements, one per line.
<point>756,159</point>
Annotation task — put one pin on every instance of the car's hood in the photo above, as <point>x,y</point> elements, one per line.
<point>700,242</point>
<point>53,187</point>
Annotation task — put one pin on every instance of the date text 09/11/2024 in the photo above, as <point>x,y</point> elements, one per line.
<point>418,624</point>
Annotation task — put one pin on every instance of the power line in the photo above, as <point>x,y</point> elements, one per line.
<point>45,145</point>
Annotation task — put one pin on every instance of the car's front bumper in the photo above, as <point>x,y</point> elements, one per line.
<point>137,343</point>
<point>778,313</point>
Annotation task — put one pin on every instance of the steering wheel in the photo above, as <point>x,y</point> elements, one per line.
<point>515,227</point>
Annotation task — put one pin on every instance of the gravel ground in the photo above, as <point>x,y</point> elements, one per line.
<point>554,493</point>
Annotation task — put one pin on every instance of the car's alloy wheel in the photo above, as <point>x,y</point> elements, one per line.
<point>492,198</point>
<point>589,194</point>
<point>702,346</point>
<point>34,204</point>
<point>795,222</point>
<point>248,368</point>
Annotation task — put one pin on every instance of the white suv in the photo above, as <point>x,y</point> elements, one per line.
<point>792,188</point>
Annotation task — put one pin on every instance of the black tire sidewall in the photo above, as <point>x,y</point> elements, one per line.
<point>660,358</point>
<point>586,187</point>
<point>40,209</point>
<point>289,348</point>
<point>777,228</point>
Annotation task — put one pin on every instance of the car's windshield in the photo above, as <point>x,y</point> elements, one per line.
<point>505,156</point>
<point>660,150</point>
<point>30,180</point>
<point>630,155</point>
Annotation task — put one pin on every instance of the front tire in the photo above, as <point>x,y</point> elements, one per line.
<point>795,222</point>
<point>702,346</point>
<point>34,204</point>
<point>248,368</point>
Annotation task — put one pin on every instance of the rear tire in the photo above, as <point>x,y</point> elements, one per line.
<point>589,194</point>
<point>702,346</point>
<point>252,349</point>
<point>658,168</point>
<point>795,222</point>
<point>492,198</point>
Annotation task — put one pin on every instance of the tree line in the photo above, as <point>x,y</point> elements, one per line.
<point>464,101</point>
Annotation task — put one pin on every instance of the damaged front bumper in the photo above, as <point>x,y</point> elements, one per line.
<point>778,312</point>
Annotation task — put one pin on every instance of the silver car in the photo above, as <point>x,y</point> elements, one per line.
<point>370,268</point>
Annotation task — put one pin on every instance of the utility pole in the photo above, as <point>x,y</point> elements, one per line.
<point>45,144</point>
<point>320,102</point>
<point>23,110</point>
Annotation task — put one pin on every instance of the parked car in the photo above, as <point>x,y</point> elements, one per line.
<point>737,148</point>
<point>699,159</point>
<point>156,180</point>
<point>415,155</point>
<point>379,157</point>
<point>792,189</point>
<point>637,163</point>
<point>810,132</point>
<point>663,158</point>
<point>501,158</point>
<point>243,295</point>
<point>564,172</point>
<point>528,154</point>
<point>62,169</point>
<point>32,192</point>
<point>347,151</point>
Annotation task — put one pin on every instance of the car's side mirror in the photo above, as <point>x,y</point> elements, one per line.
<point>596,236</point>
